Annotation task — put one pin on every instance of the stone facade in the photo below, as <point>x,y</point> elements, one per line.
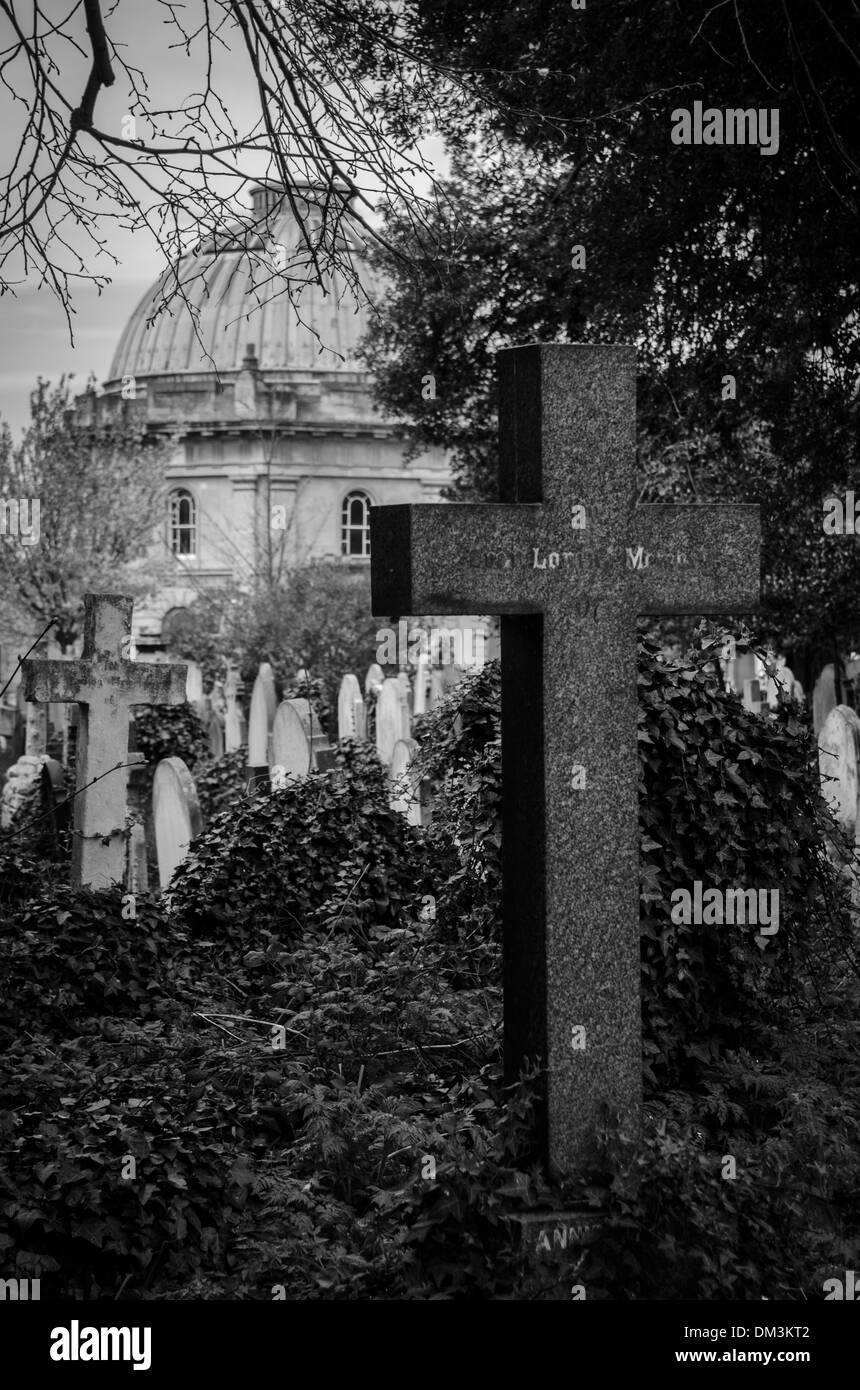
<point>271,413</point>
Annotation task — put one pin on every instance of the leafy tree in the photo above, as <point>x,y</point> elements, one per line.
<point>715,261</point>
<point>316,617</point>
<point>99,491</point>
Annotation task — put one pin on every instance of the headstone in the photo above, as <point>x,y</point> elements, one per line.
<point>297,741</point>
<point>421,694</point>
<point>372,686</point>
<point>373,681</point>
<point>194,689</point>
<point>438,689</point>
<point>784,682</point>
<point>746,666</point>
<point>753,698</point>
<point>216,734</point>
<point>105,685</point>
<point>405,795</point>
<point>351,715</point>
<point>389,719</point>
<point>235,723</point>
<point>176,814</point>
<point>838,762</point>
<point>823,697</point>
<point>264,702</point>
<point>56,807</point>
<point>405,704</point>
<point>570,563</point>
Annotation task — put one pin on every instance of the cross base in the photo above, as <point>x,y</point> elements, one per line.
<point>556,1234</point>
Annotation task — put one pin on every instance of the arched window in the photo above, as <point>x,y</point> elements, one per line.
<point>355,524</point>
<point>182,524</point>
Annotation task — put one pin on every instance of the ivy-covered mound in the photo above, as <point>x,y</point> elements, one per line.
<point>289,1084</point>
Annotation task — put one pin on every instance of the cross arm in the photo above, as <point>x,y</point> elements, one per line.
<point>703,558</point>
<point>153,682</point>
<point>77,682</point>
<point>57,682</point>
<point>452,557</point>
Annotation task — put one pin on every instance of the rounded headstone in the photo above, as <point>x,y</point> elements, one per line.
<point>295,736</point>
<point>839,759</point>
<point>823,697</point>
<point>176,815</point>
<point>784,682</point>
<point>388,719</point>
<point>373,680</point>
<point>264,702</point>
<point>350,709</point>
<point>746,666</point>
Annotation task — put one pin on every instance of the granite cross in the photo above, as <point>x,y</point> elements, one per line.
<point>105,684</point>
<point>569,561</point>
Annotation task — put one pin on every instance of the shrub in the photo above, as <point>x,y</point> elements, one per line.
<point>221,782</point>
<point>170,731</point>
<point>728,798</point>
<point>279,861</point>
<point>88,996</point>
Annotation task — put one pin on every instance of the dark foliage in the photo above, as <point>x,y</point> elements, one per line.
<point>302,1057</point>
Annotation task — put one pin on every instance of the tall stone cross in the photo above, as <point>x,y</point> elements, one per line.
<point>569,561</point>
<point>105,683</point>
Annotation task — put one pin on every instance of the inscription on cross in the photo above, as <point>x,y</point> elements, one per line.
<point>569,561</point>
<point>105,684</point>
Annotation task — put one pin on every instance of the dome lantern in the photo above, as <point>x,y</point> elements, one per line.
<point>225,309</point>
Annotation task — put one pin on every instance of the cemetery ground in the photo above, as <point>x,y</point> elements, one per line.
<point>284,1080</point>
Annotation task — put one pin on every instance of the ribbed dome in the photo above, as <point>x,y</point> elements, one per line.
<point>239,304</point>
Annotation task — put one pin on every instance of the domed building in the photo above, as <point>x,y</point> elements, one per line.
<point>278,447</point>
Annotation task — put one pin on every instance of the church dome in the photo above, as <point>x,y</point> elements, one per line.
<point>231,302</point>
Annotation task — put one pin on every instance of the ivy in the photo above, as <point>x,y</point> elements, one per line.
<point>300,1050</point>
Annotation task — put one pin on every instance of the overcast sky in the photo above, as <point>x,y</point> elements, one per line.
<point>34,335</point>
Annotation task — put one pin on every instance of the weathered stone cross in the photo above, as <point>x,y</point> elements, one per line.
<point>105,684</point>
<point>570,562</point>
